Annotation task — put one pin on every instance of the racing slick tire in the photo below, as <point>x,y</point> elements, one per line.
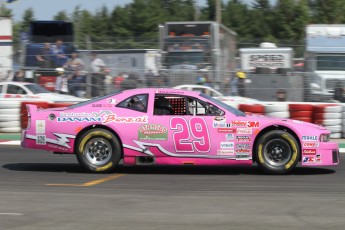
<point>277,152</point>
<point>98,150</point>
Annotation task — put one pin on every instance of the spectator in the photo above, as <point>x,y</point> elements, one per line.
<point>59,54</point>
<point>281,95</point>
<point>233,85</point>
<point>19,76</point>
<point>76,63</point>
<point>61,83</point>
<point>339,92</point>
<point>97,75</point>
<point>118,80</point>
<point>150,78</point>
<point>44,58</point>
<point>9,76</point>
<point>78,84</point>
<point>241,82</point>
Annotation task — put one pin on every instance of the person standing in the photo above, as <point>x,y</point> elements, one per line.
<point>97,75</point>
<point>44,57</point>
<point>61,83</point>
<point>241,82</point>
<point>59,54</point>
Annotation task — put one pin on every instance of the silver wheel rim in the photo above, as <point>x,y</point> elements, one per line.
<point>98,151</point>
<point>277,152</point>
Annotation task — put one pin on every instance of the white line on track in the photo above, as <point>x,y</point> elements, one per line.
<point>11,214</point>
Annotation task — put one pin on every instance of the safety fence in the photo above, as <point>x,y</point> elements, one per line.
<point>13,113</point>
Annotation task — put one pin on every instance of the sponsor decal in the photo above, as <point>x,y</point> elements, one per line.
<point>318,158</point>
<point>79,119</point>
<point>112,101</point>
<point>309,138</point>
<point>83,117</point>
<point>242,150</point>
<point>239,123</point>
<point>229,137</point>
<point>226,130</point>
<point>228,152</point>
<point>242,155</point>
<point>243,138</point>
<point>244,131</point>
<point>41,140</point>
<point>153,132</point>
<point>243,146</point>
<point>102,105</point>
<point>113,118</point>
<point>309,151</point>
<point>220,124</point>
<point>253,124</point>
<point>61,139</point>
<point>226,145</point>
<point>57,147</point>
<point>311,144</point>
<point>40,126</point>
<point>308,160</point>
<point>83,114</point>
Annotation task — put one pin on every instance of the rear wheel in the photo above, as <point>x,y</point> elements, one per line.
<point>277,152</point>
<point>98,150</point>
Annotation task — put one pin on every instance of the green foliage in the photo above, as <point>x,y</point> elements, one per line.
<point>28,16</point>
<point>5,12</point>
<point>61,16</point>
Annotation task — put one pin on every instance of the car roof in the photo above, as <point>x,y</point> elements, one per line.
<point>163,91</point>
<point>15,83</point>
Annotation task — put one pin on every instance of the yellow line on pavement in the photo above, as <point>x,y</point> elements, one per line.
<point>91,183</point>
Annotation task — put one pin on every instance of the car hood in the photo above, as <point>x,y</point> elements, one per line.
<point>286,120</point>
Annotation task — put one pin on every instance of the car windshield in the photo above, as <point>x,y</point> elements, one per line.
<point>223,105</point>
<point>96,99</point>
<point>36,89</point>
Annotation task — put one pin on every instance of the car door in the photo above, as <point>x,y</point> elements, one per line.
<point>192,127</point>
<point>15,91</point>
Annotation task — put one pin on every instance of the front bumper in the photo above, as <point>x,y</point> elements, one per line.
<point>326,154</point>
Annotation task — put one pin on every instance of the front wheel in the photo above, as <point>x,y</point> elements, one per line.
<point>277,152</point>
<point>98,150</point>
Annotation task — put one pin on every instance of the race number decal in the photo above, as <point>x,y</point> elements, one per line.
<point>190,136</point>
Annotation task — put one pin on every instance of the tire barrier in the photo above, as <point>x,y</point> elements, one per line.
<point>329,116</point>
<point>301,112</point>
<point>280,110</point>
<point>252,108</point>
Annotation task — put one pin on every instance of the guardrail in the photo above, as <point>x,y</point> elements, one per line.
<point>13,114</point>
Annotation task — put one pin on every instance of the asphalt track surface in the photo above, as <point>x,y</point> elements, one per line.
<point>42,191</point>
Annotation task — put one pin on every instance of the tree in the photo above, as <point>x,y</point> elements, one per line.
<point>61,16</point>
<point>328,12</point>
<point>28,17</point>
<point>5,12</point>
<point>236,18</point>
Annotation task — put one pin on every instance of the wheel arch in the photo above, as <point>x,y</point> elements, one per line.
<point>81,132</point>
<point>271,128</point>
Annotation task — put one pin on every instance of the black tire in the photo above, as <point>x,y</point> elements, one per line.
<point>98,150</point>
<point>277,152</point>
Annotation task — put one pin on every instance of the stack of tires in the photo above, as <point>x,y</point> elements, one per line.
<point>24,112</point>
<point>301,112</point>
<point>252,108</point>
<point>10,116</point>
<point>331,117</point>
<point>280,110</point>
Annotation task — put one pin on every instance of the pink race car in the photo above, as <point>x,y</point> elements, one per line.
<point>175,127</point>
